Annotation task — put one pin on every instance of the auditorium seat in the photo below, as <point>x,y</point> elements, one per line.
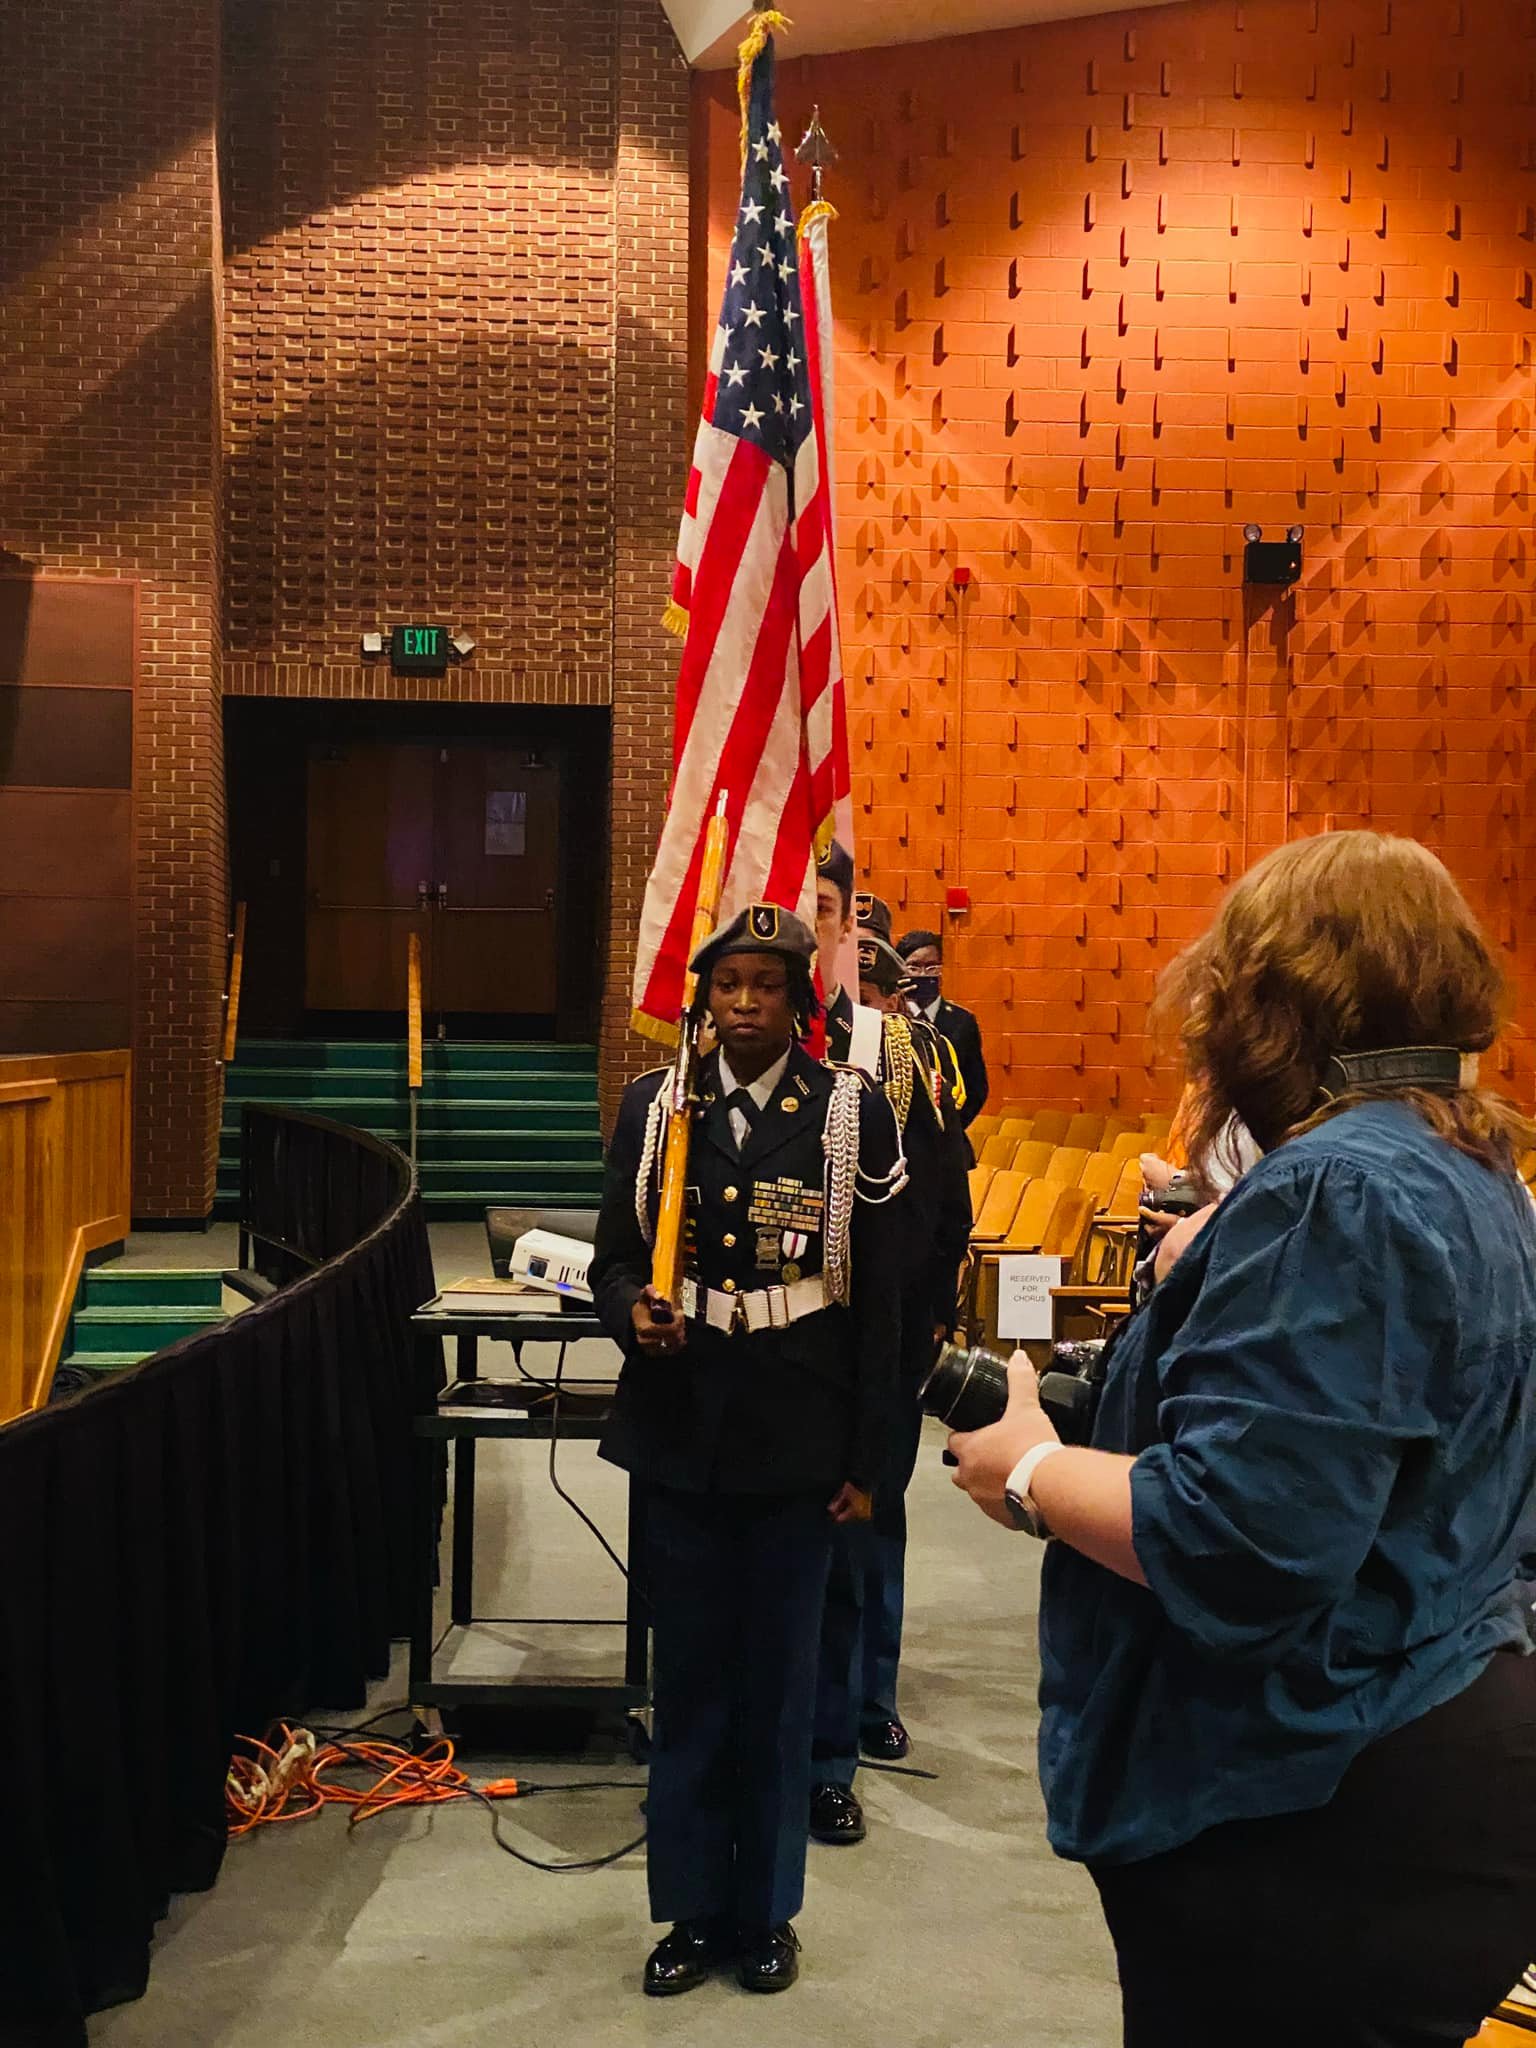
<point>980,1178</point>
<point>1051,1125</point>
<point>1018,1128</point>
<point>1100,1176</point>
<point>1031,1157</point>
<point>996,1213</point>
<point>1085,1129</point>
<point>1130,1145</point>
<point>1066,1163</point>
<point>981,1128</point>
<point>1157,1128</point>
<point>1116,1125</point>
<point>997,1151</point>
<point>1066,1233</point>
<point>1023,1233</point>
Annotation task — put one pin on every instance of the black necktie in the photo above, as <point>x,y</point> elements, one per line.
<point>739,1098</point>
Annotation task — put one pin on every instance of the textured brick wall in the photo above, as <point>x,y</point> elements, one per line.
<point>455,365</point>
<point>107,467</point>
<point>1107,290</point>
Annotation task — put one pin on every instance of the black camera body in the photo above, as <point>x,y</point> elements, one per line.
<point>968,1389</point>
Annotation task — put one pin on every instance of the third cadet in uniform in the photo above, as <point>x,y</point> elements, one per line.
<point>757,1412</point>
<point>861,1630</point>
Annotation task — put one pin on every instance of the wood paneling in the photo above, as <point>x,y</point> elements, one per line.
<point>66,842</point>
<point>67,630</point>
<point>65,738</point>
<point>64,1192</point>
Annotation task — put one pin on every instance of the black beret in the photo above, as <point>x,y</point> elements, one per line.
<point>760,928</point>
<point>912,942</point>
<point>879,964</point>
<point>875,916</point>
<point>836,866</point>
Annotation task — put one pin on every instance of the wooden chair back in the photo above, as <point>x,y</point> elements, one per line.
<point>1018,1128</point>
<point>1127,1192</point>
<point>1116,1126</point>
<point>1051,1125</point>
<point>1086,1129</point>
<point>1036,1206</point>
<point>997,1151</point>
<point>1157,1127</point>
<point>1100,1177</point>
<point>1066,1163</point>
<point>1130,1145</point>
<point>1066,1234</point>
<point>980,1178</point>
<point>1031,1157</point>
<point>981,1128</point>
<point>996,1212</point>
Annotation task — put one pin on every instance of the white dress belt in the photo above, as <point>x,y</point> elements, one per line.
<point>764,1308</point>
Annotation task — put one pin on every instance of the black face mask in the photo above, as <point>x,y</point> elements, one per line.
<point>925,990</point>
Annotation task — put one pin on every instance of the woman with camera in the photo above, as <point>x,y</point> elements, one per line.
<point>1287,1721</point>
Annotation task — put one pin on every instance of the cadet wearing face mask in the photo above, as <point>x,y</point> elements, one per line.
<point>924,955</point>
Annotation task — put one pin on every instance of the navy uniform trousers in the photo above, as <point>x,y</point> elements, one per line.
<point>861,1631</point>
<point>736,1589</point>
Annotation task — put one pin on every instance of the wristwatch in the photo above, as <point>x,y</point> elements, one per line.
<point>1026,1515</point>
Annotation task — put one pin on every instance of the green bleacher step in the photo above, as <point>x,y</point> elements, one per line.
<point>492,1177</point>
<point>312,1089</point>
<point>114,1287</point>
<point>114,1329</point>
<point>438,1056</point>
<point>105,1361</point>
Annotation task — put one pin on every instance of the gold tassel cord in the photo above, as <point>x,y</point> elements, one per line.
<point>675,619</point>
<point>765,23</point>
<point>653,1028</point>
<point>819,209</point>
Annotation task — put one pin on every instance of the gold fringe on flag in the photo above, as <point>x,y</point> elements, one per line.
<point>653,1028</point>
<point>819,209</point>
<point>766,22</point>
<point>675,618</point>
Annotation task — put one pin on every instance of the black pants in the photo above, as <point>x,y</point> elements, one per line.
<point>866,1605</point>
<point>1397,1916</point>
<point>736,1589</point>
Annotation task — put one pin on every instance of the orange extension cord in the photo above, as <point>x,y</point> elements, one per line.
<point>287,1777</point>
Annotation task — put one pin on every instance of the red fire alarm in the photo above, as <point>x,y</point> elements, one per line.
<point>956,901</point>
<point>961,579</point>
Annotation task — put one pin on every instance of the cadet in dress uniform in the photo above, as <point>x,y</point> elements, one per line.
<point>861,1630</point>
<point>757,1414</point>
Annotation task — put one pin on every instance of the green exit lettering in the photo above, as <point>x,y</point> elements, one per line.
<point>420,646</point>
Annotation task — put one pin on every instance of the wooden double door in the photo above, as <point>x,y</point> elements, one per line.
<point>458,841</point>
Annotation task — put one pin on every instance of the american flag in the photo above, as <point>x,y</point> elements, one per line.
<point>760,689</point>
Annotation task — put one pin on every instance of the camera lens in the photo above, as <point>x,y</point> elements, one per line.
<point>966,1389</point>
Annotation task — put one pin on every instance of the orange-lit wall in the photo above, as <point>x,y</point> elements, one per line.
<point>1107,290</point>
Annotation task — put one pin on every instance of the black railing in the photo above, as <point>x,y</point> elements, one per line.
<point>210,1539</point>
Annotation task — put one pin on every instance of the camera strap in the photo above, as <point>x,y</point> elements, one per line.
<point>1435,1067</point>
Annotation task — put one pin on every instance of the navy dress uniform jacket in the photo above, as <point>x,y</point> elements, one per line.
<point>960,1027</point>
<point>799,1409</point>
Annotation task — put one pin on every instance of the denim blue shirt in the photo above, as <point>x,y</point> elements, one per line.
<point>1330,1402</point>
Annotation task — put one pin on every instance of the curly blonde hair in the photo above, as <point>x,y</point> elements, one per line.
<point>1350,942</point>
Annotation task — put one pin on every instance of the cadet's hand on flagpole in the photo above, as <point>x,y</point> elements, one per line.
<point>658,1334</point>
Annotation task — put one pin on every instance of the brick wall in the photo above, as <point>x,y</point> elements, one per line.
<point>107,468</point>
<point>1107,290</point>
<point>455,364</point>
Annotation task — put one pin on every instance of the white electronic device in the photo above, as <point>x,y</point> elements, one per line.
<point>558,1264</point>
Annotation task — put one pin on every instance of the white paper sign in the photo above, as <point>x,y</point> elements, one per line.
<point>1024,1283</point>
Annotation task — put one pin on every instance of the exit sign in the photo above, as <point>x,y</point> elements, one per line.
<point>423,649</point>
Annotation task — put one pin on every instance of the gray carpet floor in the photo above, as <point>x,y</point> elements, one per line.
<point>953,1923</point>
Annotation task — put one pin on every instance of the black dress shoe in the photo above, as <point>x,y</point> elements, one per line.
<point>836,1815</point>
<point>769,1958</point>
<point>885,1740</point>
<point>685,1957</point>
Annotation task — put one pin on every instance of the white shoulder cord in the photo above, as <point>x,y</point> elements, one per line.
<point>844,1180</point>
<point>650,1162</point>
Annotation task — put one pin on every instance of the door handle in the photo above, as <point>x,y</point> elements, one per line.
<point>442,895</point>
<point>422,890</point>
<point>549,899</point>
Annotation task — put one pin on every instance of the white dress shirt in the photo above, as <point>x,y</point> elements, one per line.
<point>759,1090</point>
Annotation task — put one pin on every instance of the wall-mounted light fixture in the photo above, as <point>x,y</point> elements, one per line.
<point>1276,562</point>
<point>373,643</point>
